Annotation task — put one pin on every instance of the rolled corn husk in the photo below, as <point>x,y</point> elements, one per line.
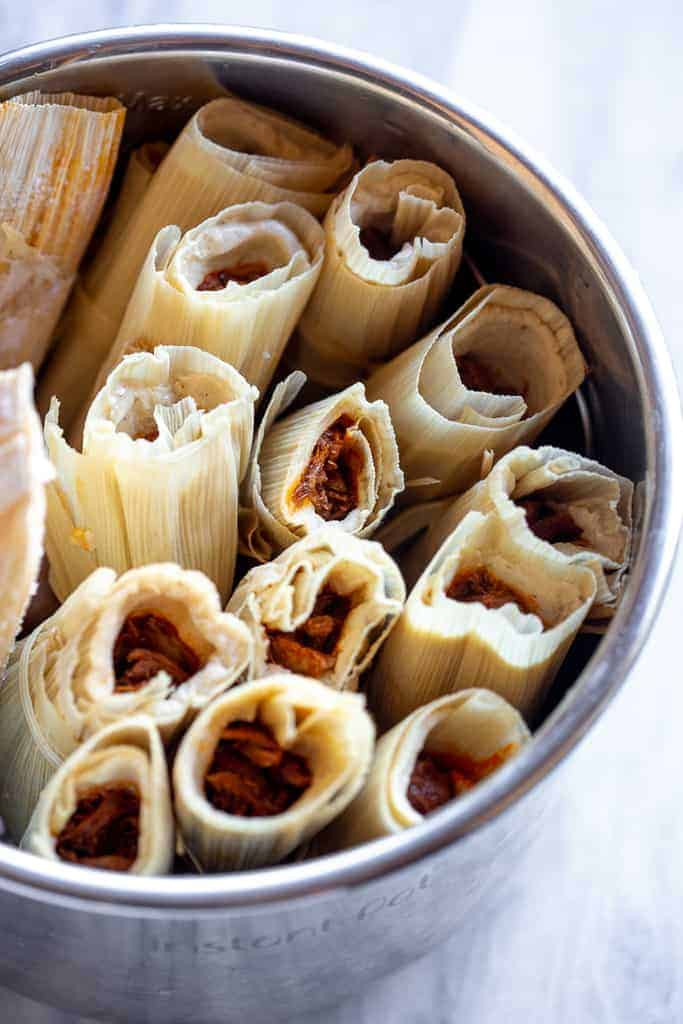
<point>33,290</point>
<point>272,514</point>
<point>444,428</point>
<point>58,153</point>
<point>127,500</point>
<point>441,645</point>
<point>62,683</point>
<point>597,501</point>
<point>24,471</point>
<point>330,730</point>
<point>128,754</point>
<point>364,309</point>
<point>142,165</point>
<point>473,725</point>
<point>229,152</point>
<point>340,593</point>
<point>246,324</point>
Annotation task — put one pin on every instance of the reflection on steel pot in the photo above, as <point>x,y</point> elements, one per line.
<point>276,943</point>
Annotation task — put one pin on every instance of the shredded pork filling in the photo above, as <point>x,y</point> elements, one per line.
<point>241,273</point>
<point>311,650</point>
<point>478,376</point>
<point>439,777</point>
<point>550,522</point>
<point>147,644</point>
<point>103,830</point>
<point>481,586</point>
<point>251,775</point>
<point>330,479</point>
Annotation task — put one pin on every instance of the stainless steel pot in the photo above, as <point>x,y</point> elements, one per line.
<point>273,944</point>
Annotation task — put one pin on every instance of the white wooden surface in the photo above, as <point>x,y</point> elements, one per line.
<point>593,934</point>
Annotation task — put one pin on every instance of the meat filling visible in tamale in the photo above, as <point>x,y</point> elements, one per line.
<point>311,650</point>
<point>550,522</point>
<point>250,774</point>
<point>330,479</point>
<point>241,273</point>
<point>103,830</point>
<point>148,644</point>
<point>478,376</point>
<point>482,586</point>
<point>378,243</point>
<point>438,777</point>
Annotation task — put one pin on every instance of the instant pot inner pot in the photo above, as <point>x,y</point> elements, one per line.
<point>515,233</point>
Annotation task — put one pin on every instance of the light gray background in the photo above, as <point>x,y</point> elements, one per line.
<point>594,931</point>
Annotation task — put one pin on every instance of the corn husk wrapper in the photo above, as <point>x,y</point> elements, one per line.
<point>60,683</point>
<point>24,471</point>
<point>363,310</point>
<point>124,752</point>
<point>440,645</point>
<point>57,154</point>
<point>444,430</point>
<point>33,291</point>
<point>598,500</point>
<point>142,165</point>
<point>270,520</point>
<point>87,346</point>
<point>229,152</point>
<point>247,325</point>
<point>126,501</point>
<point>331,730</point>
<point>473,723</point>
<point>281,595</point>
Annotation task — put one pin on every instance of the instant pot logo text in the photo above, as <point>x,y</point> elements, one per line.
<point>143,101</point>
<point>328,926</point>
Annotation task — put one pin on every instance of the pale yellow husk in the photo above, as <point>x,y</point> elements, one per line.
<point>60,682</point>
<point>247,325</point>
<point>281,596</point>
<point>126,501</point>
<point>57,157</point>
<point>363,311</point>
<point>331,730</point>
<point>598,500</point>
<point>142,165</point>
<point>125,752</point>
<point>440,645</point>
<point>444,430</point>
<point>229,152</point>
<point>24,471</point>
<point>474,723</point>
<point>33,291</point>
<point>270,519</point>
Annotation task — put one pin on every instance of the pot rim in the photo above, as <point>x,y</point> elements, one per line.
<point>607,669</point>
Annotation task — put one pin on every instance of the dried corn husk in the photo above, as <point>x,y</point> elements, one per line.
<point>598,500</point>
<point>475,723</point>
<point>126,500</point>
<point>142,165</point>
<point>33,290</point>
<point>365,310</point>
<point>124,752</point>
<point>271,518</point>
<point>281,596</point>
<point>441,645</point>
<point>331,730</point>
<point>247,325</point>
<point>61,683</point>
<point>229,152</point>
<point>57,156</point>
<point>444,430</point>
<point>24,471</point>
